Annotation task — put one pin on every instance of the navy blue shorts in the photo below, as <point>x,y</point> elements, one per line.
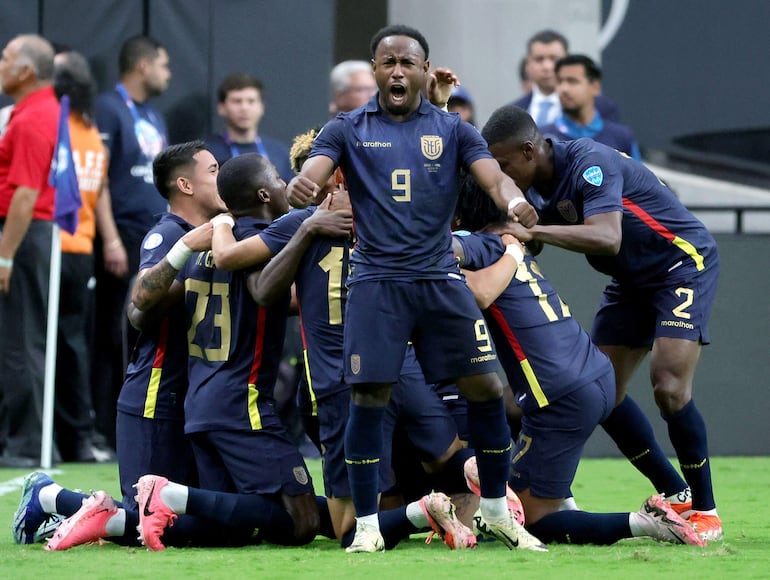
<point>256,462</point>
<point>419,411</point>
<point>439,316</point>
<point>551,440</point>
<point>678,307</point>
<point>457,405</point>
<point>155,446</point>
<point>333,414</point>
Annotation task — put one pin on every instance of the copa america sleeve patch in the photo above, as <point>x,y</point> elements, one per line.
<point>153,241</point>
<point>594,175</point>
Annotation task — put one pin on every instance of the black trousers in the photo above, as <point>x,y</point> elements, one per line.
<point>74,409</point>
<point>23,321</point>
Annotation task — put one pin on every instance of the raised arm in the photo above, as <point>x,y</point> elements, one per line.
<point>230,254</point>
<point>278,275</point>
<point>152,284</point>
<point>503,191</point>
<point>600,234</point>
<point>488,283</point>
<point>316,171</point>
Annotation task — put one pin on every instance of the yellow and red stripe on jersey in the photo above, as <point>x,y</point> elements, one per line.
<point>151,400</point>
<point>664,232</point>
<point>254,417</point>
<point>529,373</point>
<point>313,401</point>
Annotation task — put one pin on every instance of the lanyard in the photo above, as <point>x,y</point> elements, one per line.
<point>234,151</point>
<point>132,106</point>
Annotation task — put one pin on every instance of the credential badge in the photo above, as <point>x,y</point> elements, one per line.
<point>432,146</point>
<point>594,175</point>
<point>355,363</point>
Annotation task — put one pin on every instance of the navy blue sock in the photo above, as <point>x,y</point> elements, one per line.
<point>451,479</point>
<point>68,502</point>
<point>578,527</point>
<point>363,449</point>
<point>394,527</point>
<point>687,431</point>
<point>632,432</point>
<point>491,440</point>
<point>327,528</point>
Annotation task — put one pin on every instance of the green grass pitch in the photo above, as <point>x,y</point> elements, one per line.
<point>741,484</point>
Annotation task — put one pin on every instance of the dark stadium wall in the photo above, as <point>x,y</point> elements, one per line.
<point>692,66</point>
<point>289,45</point>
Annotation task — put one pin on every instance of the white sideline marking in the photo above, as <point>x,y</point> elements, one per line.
<point>15,484</point>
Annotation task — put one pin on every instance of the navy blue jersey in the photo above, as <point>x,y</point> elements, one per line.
<point>543,350</point>
<point>156,377</point>
<point>402,182</point>
<point>135,201</point>
<point>321,296</point>
<point>659,233</point>
<point>235,345</point>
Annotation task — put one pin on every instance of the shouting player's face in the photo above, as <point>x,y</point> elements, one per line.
<point>399,68</point>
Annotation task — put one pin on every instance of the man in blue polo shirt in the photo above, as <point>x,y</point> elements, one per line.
<point>401,157</point>
<point>578,83</point>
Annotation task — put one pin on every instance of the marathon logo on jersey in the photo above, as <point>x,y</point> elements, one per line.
<point>567,211</point>
<point>300,474</point>
<point>432,146</point>
<point>594,175</point>
<point>355,363</point>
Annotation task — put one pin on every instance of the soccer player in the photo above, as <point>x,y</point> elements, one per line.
<point>664,267</point>
<point>312,247</point>
<point>150,422</point>
<point>563,383</point>
<point>400,156</point>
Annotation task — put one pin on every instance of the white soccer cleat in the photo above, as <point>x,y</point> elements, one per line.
<point>509,532</point>
<point>368,539</point>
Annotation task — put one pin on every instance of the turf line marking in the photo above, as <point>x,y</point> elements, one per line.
<point>13,485</point>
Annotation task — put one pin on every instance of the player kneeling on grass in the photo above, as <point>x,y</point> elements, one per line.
<point>563,383</point>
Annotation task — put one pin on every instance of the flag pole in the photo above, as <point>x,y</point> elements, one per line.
<point>54,281</point>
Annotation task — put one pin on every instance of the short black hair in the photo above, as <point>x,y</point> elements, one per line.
<point>168,163</point>
<point>236,82</point>
<point>475,209</point>
<point>240,178</point>
<point>399,30</point>
<point>510,122</point>
<point>72,77</point>
<point>592,70</point>
<point>135,49</point>
<point>548,36</point>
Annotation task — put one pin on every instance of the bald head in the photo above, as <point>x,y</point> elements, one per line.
<point>36,52</point>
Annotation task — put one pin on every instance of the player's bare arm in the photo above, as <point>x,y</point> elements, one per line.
<point>230,254</point>
<point>153,283</point>
<point>488,283</point>
<point>316,171</point>
<point>278,275</point>
<point>505,193</point>
<point>600,234</point>
<point>141,319</point>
